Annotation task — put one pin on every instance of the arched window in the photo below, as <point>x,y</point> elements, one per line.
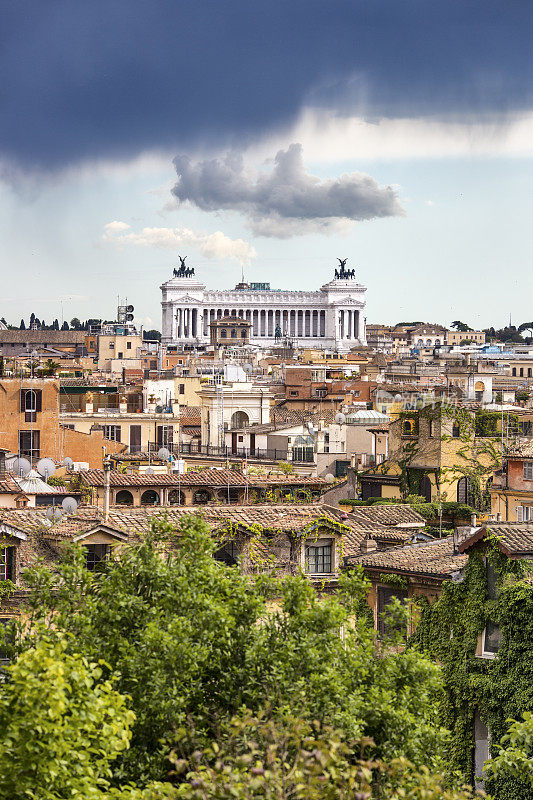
<point>408,427</point>
<point>425,489</point>
<point>149,498</point>
<point>176,498</point>
<point>428,342</point>
<point>463,490</point>
<point>243,335</point>
<point>234,333</point>
<point>223,334</point>
<point>201,497</point>
<point>437,342</point>
<point>240,420</point>
<point>124,498</point>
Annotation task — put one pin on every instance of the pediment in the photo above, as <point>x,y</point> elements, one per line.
<point>9,530</point>
<point>185,300</point>
<point>105,532</point>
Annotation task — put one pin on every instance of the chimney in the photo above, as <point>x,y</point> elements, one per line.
<point>107,483</point>
<point>368,545</point>
<point>473,520</point>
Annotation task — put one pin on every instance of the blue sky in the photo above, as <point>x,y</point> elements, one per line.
<point>271,136</point>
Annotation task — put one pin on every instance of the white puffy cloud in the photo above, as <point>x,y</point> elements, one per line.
<point>210,245</point>
<point>287,200</point>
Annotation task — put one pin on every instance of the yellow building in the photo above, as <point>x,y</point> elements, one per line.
<point>438,452</point>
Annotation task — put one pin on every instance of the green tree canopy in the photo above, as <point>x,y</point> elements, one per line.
<point>192,641</point>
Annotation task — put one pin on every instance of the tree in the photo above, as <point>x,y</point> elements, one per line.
<point>75,323</point>
<point>64,326</point>
<point>55,325</point>
<point>61,725</point>
<point>22,325</point>
<point>32,318</point>
<point>460,326</point>
<point>50,367</point>
<point>514,758</point>
<point>192,643</point>
<point>152,334</point>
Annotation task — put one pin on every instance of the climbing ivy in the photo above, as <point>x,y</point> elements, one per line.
<point>500,688</point>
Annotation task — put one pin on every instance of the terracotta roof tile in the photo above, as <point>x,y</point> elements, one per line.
<point>424,558</point>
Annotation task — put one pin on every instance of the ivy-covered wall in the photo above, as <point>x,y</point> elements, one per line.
<point>500,688</point>
<point>445,443</point>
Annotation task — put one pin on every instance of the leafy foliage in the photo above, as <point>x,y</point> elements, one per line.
<point>61,725</point>
<point>191,642</point>
<point>501,688</point>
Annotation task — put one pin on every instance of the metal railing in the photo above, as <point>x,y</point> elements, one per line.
<point>226,451</point>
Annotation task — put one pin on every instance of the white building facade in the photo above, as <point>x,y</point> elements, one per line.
<point>332,317</point>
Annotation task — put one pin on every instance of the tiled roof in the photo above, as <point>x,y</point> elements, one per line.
<point>522,450</point>
<point>515,538</point>
<point>8,485</point>
<point>206,477</point>
<point>425,558</point>
<point>285,517</point>
<point>394,515</point>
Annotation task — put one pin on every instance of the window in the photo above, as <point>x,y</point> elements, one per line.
<point>528,470</point>
<point>524,513</point>
<point>153,364</point>
<point>181,388</point>
<point>120,355</point>
<point>431,428</point>
<point>481,748</point>
<point>514,372</point>
<point>318,559</point>
<point>128,345</point>
<point>456,430</point>
<point>95,555</point>
<point>409,427</point>
<point>233,333</point>
<point>223,334</point>
<point>243,333</point>
<point>293,393</point>
<point>7,559</point>
<point>492,638</point>
<point>29,444</point>
<point>228,554</point>
<point>30,403</point>
<point>240,419</point>
<point>385,595</point>
<point>425,489</point>
<point>321,392</point>
<point>111,345</point>
<point>112,432</point>
<point>463,490</point>
<point>165,435</point>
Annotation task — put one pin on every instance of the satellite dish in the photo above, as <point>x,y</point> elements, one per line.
<point>159,409</point>
<point>21,466</point>
<point>46,467</point>
<point>50,512</point>
<point>58,512</point>
<point>69,505</point>
<point>340,418</point>
<point>67,461</point>
<point>329,478</point>
<point>163,454</point>
<point>149,471</point>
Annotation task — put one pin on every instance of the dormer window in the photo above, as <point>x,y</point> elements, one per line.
<point>96,555</point>
<point>318,558</point>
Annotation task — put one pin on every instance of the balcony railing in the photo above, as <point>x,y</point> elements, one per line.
<point>226,451</point>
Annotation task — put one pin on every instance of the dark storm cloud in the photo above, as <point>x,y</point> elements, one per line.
<point>111,79</point>
<point>285,201</point>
